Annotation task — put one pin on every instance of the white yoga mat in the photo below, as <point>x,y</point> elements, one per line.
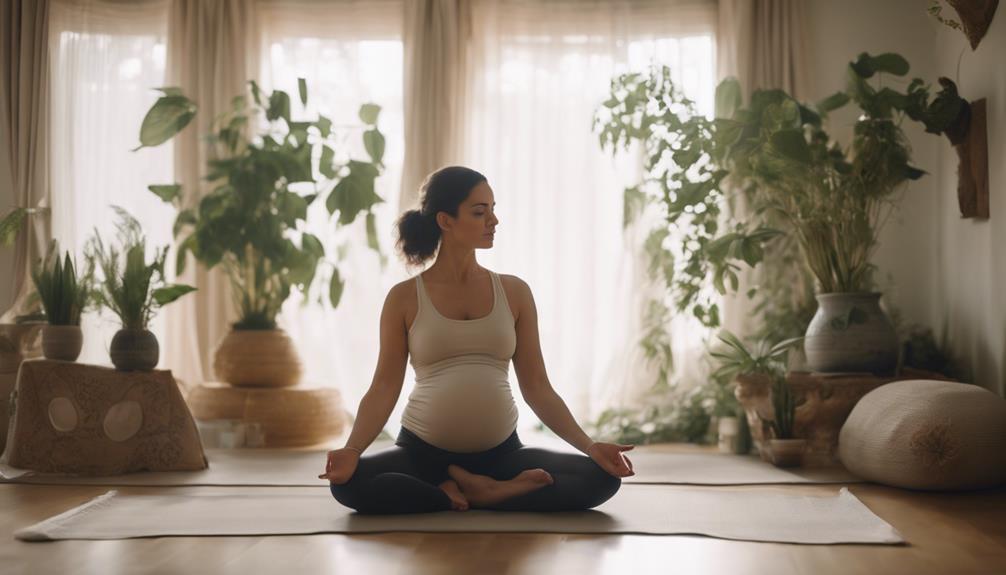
<point>748,515</point>
<point>301,468</point>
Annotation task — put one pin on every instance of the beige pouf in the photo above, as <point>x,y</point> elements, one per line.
<point>923,434</point>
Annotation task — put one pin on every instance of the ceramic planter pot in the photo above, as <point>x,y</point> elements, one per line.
<point>134,350</point>
<point>851,333</point>
<point>62,342</point>
<point>787,452</point>
<point>257,358</point>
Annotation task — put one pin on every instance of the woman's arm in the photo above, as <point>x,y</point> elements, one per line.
<point>377,404</point>
<point>534,384</point>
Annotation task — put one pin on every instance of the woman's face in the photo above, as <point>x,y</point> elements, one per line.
<point>476,221</point>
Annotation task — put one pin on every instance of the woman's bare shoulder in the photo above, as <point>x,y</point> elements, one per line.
<point>518,293</point>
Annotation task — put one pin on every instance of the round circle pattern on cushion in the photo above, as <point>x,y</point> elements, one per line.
<point>63,414</point>
<point>927,434</point>
<point>123,420</point>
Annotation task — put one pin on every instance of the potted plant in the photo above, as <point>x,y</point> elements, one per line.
<point>252,222</point>
<point>21,325</point>
<point>767,360</point>
<point>133,289</point>
<point>776,155</point>
<point>785,449</point>
<point>64,295</point>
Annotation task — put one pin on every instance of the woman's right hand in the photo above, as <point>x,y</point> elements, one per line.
<point>341,465</point>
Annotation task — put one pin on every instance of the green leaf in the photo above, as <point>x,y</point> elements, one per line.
<point>292,207</point>
<point>10,226</point>
<point>866,66</point>
<point>354,193</point>
<point>168,192</point>
<point>372,232</point>
<point>790,143</point>
<point>170,293</point>
<point>324,126</point>
<point>728,98</point>
<point>185,217</point>
<point>168,116</point>
<point>183,249</point>
<point>256,92</point>
<point>279,106</point>
<point>302,88</point>
<point>335,288</point>
<point>312,245</point>
<point>373,141</point>
<point>369,113</point>
<point>832,102</point>
<point>325,165</point>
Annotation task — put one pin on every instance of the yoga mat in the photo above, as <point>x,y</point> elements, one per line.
<point>751,515</point>
<point>296,468</point>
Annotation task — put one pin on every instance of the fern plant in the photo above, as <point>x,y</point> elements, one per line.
<point>130,287</point>
<point>63,294</point>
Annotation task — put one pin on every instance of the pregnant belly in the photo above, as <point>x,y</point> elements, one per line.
<point>464,417</point>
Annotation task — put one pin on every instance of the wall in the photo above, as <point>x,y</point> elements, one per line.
<point>973,252</point>
<point>936,269</point>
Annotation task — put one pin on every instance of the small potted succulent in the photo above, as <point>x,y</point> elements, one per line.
<point>785,450</point>
<point>133,289</point>
<point>64,295</point>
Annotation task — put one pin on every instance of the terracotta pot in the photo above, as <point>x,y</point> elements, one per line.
<point>62,342</point>
<point>787,452</point>
<point>134,349</point>
<point>851,333</point>
<point>257,358</point>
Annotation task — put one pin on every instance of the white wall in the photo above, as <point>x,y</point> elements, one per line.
<point>944,270</point>
<point>969,294</point>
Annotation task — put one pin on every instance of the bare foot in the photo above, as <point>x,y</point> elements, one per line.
<point>458,500</point>
<point>481,490</point>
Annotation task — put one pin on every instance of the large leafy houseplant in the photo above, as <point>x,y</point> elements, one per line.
<point>64,294</point>
<point>253,221</point>
<point>133,289</point>
<point>776,154</point>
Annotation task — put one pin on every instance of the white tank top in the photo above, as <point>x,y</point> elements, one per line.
<point>462,400</point>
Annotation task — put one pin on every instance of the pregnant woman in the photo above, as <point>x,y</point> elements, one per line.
<point>460,325</point>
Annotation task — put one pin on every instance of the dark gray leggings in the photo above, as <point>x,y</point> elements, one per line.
<point>405,478</point>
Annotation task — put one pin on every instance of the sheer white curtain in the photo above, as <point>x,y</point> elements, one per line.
<point>349,53</point>
<point>537,73</point>
<point>105,60</point>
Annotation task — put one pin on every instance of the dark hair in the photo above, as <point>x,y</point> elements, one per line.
<point>443,191</point>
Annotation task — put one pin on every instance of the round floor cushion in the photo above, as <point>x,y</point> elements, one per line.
<point>924,434</point>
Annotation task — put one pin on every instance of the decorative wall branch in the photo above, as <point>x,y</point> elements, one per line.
<point>975,15</point>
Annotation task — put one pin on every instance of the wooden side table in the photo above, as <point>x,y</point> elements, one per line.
<point>828,399</point>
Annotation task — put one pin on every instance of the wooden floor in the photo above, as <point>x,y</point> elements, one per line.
<point>948,533</point>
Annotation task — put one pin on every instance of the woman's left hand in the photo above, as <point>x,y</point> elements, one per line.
<point>609,457</point>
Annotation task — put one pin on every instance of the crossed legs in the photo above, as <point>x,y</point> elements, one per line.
<point>397,480</point>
